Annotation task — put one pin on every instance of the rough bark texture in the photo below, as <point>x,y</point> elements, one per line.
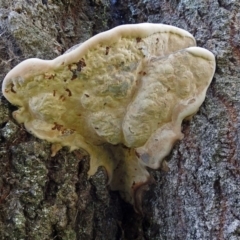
<point>52,198</point>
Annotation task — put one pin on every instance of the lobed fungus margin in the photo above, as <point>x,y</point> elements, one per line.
<point>121,95</point>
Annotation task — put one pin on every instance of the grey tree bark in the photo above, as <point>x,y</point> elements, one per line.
<point>52,198</point>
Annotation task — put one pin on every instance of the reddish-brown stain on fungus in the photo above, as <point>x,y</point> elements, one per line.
<point>12,90</point>
<point>107,50</point>
<point>57,126</point>
<point>69,92</point>
<point>81,64</point>
<point>138,39</point>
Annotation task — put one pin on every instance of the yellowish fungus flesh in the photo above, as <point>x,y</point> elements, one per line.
<point>122,96</point>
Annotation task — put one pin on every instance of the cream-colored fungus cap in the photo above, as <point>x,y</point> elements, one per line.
<point>121,96</point>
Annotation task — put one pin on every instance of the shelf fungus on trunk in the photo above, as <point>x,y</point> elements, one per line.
<point>121,95</point>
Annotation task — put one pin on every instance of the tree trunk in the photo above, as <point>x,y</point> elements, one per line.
<point>44,197</point>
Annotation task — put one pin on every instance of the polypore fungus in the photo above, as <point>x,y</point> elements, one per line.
<point>122,96</point>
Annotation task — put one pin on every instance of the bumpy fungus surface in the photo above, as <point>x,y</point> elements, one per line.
<point>122,96</point>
